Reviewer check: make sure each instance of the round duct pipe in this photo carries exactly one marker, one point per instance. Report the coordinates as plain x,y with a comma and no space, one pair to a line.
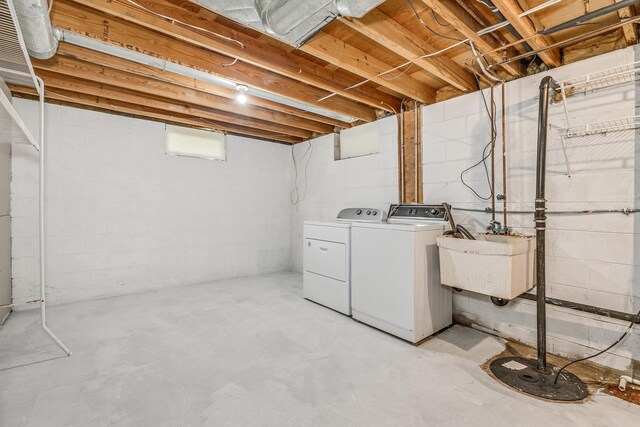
35,25
355,8
280,17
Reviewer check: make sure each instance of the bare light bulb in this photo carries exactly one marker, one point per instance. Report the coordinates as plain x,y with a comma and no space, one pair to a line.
241,95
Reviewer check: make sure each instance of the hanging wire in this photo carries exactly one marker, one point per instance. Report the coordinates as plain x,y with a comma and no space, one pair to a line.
411,64
297,195
424,24
435,17
486,151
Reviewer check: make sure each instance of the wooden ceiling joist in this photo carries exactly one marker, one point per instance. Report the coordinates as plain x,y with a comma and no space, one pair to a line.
629,31
246,49
510,9
267,55
335,51
381,28
451,11
352,70
92,23
72,98
87,87
186,101
269,110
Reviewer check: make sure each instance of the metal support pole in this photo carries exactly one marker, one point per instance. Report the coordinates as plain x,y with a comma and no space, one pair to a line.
536,377
541,221
504,160
43,313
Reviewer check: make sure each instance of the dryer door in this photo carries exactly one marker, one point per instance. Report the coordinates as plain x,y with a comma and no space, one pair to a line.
327,259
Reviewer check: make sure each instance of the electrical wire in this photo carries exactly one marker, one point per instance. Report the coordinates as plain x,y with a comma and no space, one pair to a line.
636,318
435,17
488,6
424,24
296,197
485,154
411,64
193,27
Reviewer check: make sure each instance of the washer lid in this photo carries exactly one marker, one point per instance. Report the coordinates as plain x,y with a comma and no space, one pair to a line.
415,227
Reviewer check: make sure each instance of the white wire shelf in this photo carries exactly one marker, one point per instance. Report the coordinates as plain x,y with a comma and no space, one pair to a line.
606,78
615,125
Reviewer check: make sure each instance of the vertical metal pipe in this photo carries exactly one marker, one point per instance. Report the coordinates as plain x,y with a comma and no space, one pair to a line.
493,160
541,220
43,312
401,153
504,158
415,151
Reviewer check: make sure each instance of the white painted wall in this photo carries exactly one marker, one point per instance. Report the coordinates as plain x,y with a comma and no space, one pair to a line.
367,181
124,217
592,259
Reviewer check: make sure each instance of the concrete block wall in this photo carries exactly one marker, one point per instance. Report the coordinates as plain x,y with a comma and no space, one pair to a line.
122,216
331,185
592,259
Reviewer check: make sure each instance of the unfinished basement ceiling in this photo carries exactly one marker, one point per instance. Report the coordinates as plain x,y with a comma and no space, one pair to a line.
351,71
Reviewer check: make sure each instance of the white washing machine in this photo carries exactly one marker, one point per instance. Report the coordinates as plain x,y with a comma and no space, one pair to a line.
395,277
327,257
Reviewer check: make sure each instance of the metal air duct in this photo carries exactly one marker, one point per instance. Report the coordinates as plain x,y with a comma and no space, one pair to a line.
356,8
297,20
33,16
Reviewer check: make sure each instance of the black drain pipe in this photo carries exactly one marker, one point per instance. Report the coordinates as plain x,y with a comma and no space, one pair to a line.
540,216
589,16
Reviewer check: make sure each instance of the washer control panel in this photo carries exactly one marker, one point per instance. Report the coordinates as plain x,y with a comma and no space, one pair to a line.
418,212
362,215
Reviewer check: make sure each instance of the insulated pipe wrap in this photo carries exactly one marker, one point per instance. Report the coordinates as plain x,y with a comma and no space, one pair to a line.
35,24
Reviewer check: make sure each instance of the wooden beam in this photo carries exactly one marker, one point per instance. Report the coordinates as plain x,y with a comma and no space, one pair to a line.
276,57
331,49
281,113
510,9
381,28
629,30
59,78
451,11
79,100
92,23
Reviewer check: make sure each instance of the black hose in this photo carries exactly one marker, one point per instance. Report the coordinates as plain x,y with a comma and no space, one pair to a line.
462,230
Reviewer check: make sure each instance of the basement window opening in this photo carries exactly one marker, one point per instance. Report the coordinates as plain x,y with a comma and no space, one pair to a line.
363,140
195,143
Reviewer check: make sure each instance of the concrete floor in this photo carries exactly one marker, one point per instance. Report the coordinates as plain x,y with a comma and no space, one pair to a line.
252,352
